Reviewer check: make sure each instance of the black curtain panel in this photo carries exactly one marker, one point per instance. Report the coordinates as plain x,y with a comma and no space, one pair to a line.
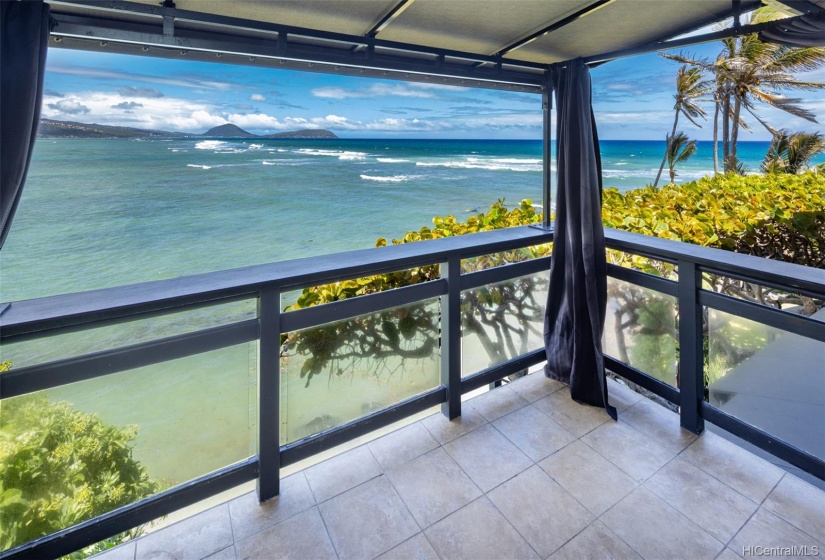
802,31
24,35
577,298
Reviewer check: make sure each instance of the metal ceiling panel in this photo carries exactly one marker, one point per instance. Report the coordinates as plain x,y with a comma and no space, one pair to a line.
623,24
477,26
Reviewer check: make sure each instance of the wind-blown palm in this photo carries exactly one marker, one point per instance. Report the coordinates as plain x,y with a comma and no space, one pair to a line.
680,149
791,153
690,90
750,71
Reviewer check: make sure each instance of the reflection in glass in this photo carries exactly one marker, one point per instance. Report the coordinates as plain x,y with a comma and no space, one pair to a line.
640,329
769,378
502,321
340,371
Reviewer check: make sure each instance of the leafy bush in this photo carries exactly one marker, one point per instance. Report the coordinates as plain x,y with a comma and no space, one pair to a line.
60,466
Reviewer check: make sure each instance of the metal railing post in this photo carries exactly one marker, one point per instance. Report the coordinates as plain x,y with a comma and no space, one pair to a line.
691,349
451,337
269,382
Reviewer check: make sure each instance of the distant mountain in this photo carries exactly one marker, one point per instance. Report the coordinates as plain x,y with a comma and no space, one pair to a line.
228,131
67,129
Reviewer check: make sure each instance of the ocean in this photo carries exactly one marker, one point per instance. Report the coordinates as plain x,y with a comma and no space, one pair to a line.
101,213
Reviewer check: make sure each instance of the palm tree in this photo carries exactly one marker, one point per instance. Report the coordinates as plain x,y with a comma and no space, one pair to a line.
690,88
748,71
679,149
792,152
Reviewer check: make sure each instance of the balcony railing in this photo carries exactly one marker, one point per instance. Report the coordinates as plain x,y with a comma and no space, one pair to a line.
231,323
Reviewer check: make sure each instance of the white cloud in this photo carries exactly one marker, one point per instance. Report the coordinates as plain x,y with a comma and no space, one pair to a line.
257,97
375,90
115,75
69,107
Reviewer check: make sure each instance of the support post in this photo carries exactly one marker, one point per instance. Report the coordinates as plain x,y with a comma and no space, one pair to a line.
691,349
451,337
269,382
547,152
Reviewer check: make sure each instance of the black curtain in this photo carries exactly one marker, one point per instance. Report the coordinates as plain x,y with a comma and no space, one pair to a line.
577,299
802,31
24,35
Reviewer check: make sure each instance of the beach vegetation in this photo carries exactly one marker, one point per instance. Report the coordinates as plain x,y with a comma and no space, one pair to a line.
60,466
679,149
791,152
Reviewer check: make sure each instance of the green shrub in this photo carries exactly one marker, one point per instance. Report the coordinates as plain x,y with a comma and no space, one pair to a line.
60,466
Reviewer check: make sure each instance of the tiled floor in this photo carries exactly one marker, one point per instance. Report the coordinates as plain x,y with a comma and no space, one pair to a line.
525,473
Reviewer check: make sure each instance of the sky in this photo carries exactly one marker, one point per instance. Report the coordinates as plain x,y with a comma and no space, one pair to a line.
632,99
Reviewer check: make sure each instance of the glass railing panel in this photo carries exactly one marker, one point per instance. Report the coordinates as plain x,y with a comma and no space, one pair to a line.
788,301
502,321
640,329
483,262
71,344
644,264
340,371
80,450
771,379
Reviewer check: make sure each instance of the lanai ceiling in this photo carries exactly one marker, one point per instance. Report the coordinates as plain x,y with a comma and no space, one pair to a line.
509,41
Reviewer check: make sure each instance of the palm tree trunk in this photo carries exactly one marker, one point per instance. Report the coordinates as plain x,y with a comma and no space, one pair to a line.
726,130
716,138
667,149
737,107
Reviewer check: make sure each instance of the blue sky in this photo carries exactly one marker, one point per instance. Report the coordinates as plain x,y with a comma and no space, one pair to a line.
633,99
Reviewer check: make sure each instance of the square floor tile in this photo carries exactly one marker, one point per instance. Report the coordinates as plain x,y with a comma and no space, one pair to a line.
766,530
487,457
656,530
416,548
596,542
367,520
248,516
402,445
227,553
576,418
659,424
195,537
478,532
342,472
433,486
121,552
715,507
540,510
445,430
594,481
497,402
299,537
800,504
743,471
630,450
533,432
535,386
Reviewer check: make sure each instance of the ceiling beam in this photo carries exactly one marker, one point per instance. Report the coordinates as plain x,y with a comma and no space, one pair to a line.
388,18
587,10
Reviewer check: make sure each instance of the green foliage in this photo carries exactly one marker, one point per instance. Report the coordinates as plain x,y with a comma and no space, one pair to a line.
774,216
679,149
60,466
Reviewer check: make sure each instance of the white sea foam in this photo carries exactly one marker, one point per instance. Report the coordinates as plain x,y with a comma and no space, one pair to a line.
391,160
199,166
210,144
390,179
255,146
343,155
491,164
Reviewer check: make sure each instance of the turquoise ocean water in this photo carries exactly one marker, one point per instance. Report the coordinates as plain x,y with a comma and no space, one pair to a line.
100,213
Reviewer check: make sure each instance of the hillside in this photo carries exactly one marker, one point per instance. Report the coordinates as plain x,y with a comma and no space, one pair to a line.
68,129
